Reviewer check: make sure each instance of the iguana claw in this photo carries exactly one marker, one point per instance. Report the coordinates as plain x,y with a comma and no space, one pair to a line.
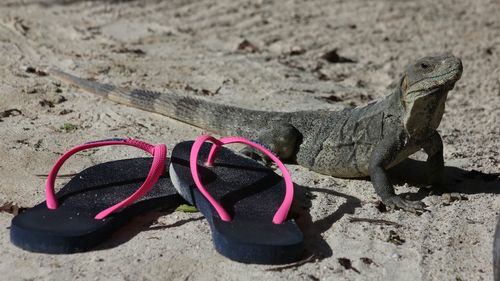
395,202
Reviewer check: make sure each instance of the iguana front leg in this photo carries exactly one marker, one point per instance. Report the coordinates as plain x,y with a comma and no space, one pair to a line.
381,156
435,162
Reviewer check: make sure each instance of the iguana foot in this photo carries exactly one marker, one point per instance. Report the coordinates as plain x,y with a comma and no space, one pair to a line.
439,189
255,155
450,197
396,202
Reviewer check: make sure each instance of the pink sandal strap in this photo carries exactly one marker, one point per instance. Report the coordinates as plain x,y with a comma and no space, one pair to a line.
158,152
280,215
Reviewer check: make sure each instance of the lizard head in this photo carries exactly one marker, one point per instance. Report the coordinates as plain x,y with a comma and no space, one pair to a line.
424,88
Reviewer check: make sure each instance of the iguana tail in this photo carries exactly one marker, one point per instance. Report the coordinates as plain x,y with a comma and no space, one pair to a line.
221,119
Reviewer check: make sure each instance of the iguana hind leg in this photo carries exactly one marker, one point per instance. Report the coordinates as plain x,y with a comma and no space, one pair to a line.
281,138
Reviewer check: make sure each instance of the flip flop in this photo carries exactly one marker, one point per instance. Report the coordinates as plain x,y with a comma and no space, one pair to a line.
245,203
85,211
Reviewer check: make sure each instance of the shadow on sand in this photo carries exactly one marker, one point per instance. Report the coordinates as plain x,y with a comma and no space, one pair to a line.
414,173
410,171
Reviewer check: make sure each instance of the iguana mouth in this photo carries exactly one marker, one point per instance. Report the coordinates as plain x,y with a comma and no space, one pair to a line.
427,85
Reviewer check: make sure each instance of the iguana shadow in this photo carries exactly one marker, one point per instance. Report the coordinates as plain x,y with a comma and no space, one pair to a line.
414,172
410,171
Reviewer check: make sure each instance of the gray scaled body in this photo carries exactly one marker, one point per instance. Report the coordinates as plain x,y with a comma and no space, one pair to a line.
358,142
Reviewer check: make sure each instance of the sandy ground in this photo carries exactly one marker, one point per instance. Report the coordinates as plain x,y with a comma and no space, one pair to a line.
192,47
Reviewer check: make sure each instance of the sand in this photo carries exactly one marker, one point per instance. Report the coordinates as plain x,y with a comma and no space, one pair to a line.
261,55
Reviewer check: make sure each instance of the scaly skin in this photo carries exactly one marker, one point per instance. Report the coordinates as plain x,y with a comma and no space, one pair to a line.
359,142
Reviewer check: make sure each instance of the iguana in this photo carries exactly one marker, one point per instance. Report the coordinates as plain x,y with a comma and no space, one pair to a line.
358,142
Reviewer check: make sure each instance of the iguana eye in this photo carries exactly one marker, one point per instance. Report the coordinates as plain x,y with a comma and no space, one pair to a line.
424,65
